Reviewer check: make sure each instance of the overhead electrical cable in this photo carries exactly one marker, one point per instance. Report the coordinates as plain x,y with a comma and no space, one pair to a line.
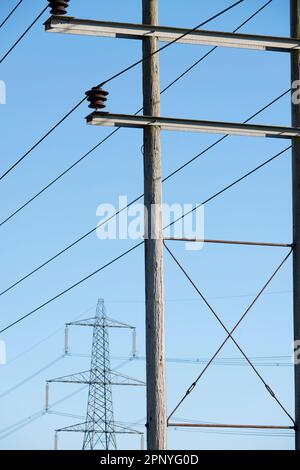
21,37
106,81
93,230
10,14
89,152
123,254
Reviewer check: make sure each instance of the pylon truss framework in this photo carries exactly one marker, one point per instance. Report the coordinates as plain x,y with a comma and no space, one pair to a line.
229,336
82,427
87,27
84,378
107,323
99,427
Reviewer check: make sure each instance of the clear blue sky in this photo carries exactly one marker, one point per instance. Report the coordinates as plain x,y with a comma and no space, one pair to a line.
45,76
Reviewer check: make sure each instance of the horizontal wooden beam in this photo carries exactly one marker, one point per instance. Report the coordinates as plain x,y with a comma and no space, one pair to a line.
191,125
70,25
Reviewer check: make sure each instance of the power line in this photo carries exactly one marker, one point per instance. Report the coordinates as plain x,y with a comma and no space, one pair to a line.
22,36
230,186
22,423
276,99
66,415
238,433
25,422
196,299
32,376
130,67
57,178
106,81
218,141
54,333
262,361
277,359
136,199
215,47
128,251
264,382
19,281
89,152
136,245
232,361
63,251
13,428
41,139
71,287
10,14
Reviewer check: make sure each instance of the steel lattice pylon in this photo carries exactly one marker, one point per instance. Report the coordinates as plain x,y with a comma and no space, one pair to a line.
99,428
100,416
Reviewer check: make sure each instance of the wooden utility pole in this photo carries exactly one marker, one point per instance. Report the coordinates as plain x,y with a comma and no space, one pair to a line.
295,75
155,335
151,122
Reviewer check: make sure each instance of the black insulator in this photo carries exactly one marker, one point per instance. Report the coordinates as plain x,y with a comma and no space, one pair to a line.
58,7
97,97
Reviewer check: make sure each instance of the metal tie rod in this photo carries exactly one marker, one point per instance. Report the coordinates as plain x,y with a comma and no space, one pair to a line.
229,242
191,125
233,426
86,27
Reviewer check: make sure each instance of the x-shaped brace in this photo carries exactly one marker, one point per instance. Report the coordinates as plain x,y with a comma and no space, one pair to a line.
229,334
